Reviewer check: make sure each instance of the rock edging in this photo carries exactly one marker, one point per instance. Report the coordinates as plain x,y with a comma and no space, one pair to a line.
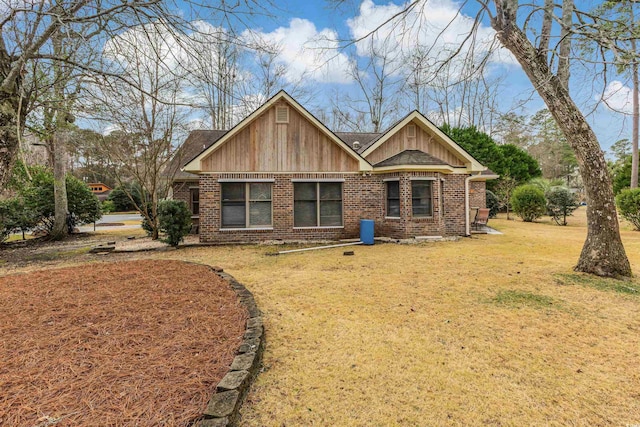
223,408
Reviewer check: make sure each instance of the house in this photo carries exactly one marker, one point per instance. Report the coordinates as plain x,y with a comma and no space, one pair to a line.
101,190
282,174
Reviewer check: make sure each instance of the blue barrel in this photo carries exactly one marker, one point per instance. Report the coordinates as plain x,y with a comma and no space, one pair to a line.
366,231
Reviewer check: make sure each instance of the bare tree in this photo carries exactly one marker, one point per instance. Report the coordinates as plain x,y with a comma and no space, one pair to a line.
603,253
147,118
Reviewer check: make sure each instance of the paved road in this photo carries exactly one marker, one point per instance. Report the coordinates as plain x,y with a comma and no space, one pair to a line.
119,218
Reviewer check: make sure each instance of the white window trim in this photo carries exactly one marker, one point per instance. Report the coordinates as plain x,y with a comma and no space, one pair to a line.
318,180
231,180
246,229
319,227
390,179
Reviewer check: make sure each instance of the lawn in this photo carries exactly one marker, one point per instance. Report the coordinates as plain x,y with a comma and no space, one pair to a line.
493,329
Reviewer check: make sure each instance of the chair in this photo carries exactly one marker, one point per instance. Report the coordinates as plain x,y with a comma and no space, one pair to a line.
482,218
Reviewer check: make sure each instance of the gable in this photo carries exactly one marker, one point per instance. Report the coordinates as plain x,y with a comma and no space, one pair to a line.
269,140
423,140
425,137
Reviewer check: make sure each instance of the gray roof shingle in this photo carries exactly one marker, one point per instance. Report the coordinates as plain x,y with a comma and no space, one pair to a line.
411,157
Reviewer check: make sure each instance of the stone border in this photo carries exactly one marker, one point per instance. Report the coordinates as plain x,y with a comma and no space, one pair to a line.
223,408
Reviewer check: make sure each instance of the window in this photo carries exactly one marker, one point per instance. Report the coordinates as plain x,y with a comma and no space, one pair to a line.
194,198
393,199
421,198
246,204
317,204
442,197
282,114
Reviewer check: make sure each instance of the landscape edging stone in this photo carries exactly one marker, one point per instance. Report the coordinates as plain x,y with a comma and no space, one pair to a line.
223,408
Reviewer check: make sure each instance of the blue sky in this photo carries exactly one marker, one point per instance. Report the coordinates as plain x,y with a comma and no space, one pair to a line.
302,27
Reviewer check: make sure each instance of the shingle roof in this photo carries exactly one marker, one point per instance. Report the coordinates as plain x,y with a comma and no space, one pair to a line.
196,143
364,138
411,157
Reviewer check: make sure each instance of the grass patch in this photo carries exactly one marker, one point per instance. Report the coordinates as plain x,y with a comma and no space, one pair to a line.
59,254
602,284
520,299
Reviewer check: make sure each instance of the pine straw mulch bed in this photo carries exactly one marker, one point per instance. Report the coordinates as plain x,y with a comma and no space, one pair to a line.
128,343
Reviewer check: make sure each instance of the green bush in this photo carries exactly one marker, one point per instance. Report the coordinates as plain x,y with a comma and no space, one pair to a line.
83,205
528,202
121,197
108,206
492,203
175,220
15,217
560,203
628,202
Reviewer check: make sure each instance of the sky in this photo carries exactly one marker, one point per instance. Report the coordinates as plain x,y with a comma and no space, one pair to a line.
314,39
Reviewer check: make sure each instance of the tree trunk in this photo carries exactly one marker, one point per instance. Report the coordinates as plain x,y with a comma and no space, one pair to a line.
603,253
60,230
636,119
9,141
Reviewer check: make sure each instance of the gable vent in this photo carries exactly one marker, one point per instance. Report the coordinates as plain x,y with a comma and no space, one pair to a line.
282,114
411,131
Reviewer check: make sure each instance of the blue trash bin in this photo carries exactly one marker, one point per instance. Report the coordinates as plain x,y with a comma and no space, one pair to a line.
366,231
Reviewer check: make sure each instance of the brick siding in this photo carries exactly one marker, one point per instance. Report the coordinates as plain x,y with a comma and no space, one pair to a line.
363,198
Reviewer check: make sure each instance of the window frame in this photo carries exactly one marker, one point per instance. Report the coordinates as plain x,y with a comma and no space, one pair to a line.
318,203
386,198
192,202
247,205
413,206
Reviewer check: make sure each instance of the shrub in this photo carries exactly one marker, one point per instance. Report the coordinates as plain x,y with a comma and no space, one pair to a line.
493,204
83,205
15,217
560,203
121,200
528,202
628,202
108,206
175,220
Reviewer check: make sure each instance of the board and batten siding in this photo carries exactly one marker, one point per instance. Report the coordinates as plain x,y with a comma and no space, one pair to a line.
266,146
423,141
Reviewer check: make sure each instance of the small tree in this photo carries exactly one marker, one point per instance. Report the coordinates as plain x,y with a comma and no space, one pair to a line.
492,203
628,202
175,220
125,197
560,203
504,190
528,202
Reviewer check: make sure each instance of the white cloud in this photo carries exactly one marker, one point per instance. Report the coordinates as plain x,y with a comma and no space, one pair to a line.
435,27
618,97
306,52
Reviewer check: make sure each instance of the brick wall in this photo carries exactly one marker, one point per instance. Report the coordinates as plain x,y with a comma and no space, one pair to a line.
363,198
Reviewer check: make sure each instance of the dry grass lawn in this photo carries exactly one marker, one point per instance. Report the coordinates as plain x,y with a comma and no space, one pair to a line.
494,329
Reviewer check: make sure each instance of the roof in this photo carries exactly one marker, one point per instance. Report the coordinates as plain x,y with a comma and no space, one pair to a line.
196,142
425,123
364,138
411,157
194,165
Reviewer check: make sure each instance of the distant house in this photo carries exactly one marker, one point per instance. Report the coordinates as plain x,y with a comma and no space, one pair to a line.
99,189
282,174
